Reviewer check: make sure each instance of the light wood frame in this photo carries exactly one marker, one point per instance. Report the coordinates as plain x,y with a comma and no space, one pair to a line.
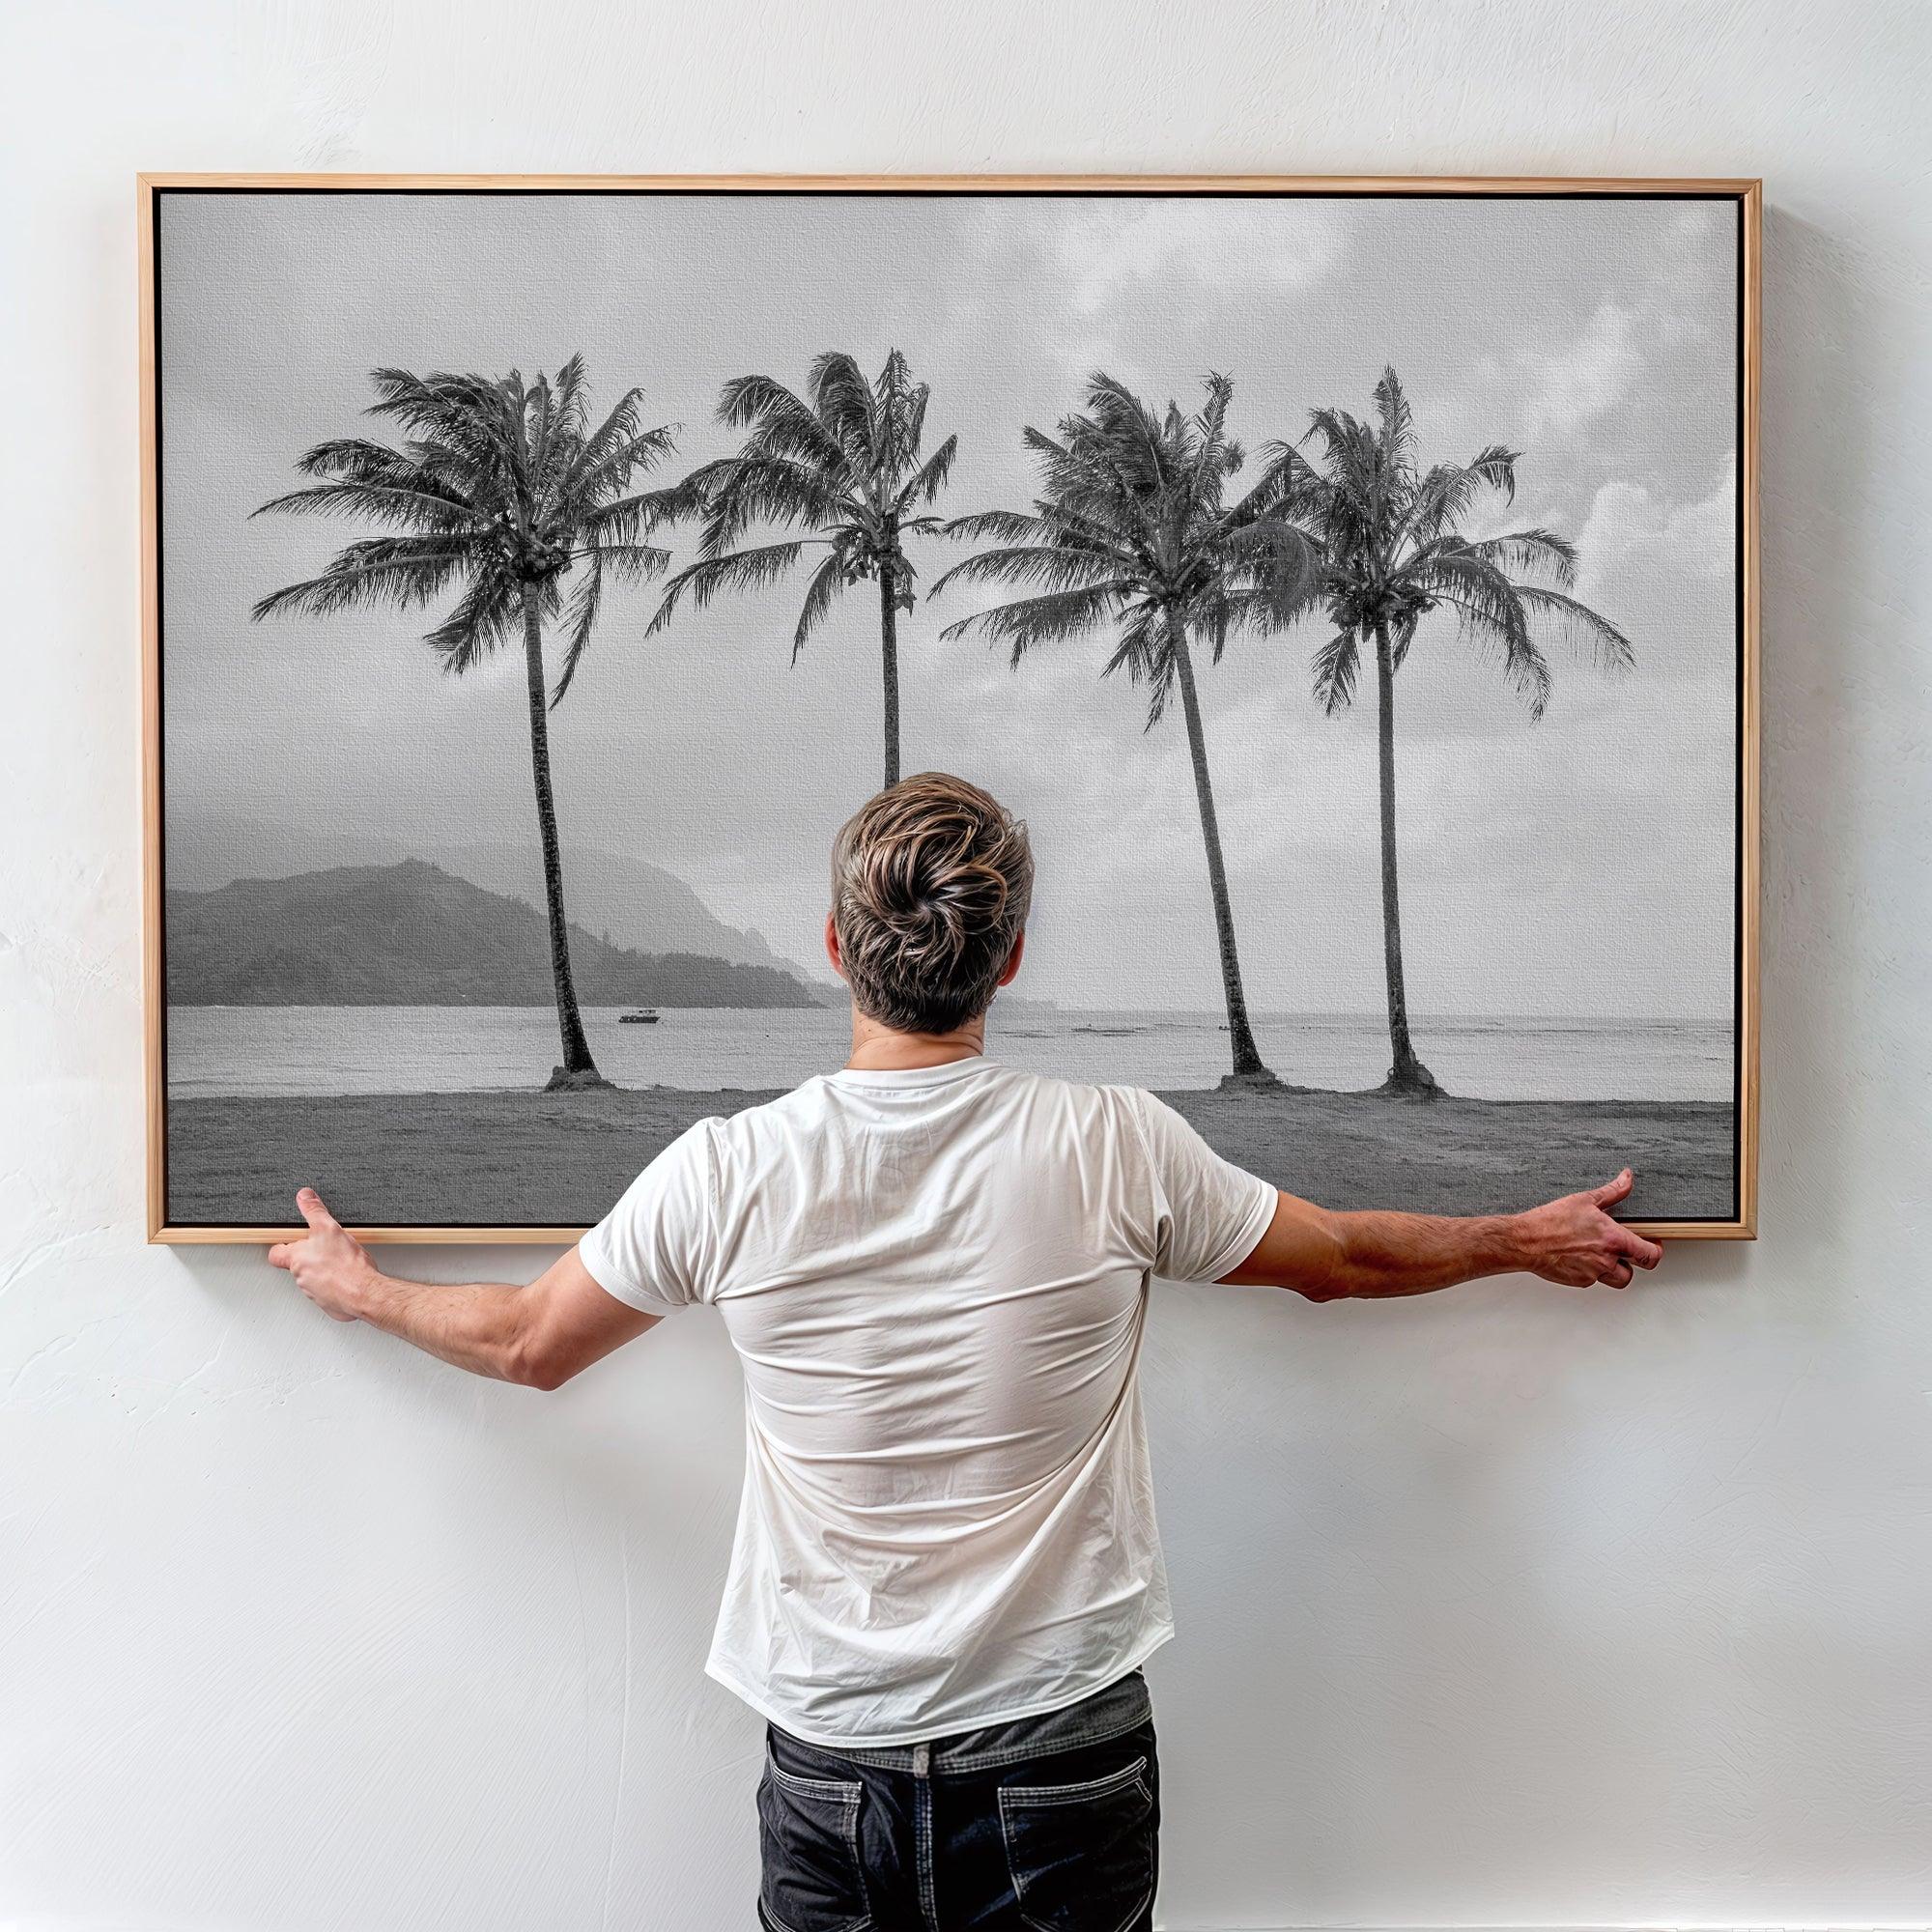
1749,194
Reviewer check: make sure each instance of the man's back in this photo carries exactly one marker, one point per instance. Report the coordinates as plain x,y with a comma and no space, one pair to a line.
935,1270
937,1281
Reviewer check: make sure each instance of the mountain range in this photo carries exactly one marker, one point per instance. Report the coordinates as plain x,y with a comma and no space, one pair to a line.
625,900
411,934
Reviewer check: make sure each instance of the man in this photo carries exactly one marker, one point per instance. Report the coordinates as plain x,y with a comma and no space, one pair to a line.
935,1269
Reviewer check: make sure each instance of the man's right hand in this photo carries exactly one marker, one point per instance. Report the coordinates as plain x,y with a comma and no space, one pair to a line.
1577,1242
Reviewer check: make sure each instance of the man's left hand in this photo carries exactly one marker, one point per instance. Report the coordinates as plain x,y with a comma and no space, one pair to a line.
329,1266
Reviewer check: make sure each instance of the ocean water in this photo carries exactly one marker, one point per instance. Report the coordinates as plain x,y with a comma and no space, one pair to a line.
293,1050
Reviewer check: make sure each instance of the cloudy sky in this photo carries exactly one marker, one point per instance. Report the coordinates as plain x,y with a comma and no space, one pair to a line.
1580,866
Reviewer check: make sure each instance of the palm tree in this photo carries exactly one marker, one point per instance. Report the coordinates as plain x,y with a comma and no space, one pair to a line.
500,489
847,466
1393,551
1132,534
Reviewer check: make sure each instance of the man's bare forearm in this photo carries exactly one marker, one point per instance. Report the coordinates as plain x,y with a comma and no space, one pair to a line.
482,1326
1380,1254
540,1333
1335,1256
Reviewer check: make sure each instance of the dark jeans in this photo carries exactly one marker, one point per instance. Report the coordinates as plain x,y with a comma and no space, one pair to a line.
1048,1824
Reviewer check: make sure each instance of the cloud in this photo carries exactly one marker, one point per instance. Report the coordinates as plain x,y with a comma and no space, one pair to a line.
1574,383
1594,374
1654,331
1126,247
1631,533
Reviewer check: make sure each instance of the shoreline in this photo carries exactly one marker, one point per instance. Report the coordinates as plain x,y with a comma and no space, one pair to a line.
501,1157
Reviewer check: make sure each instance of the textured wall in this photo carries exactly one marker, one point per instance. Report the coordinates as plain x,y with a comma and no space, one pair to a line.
1505,1607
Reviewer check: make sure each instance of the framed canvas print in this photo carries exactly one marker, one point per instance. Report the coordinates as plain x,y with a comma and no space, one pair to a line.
1351,582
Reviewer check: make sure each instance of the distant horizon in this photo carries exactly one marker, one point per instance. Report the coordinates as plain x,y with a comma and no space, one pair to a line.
1606,1023
1422,1018
337,1050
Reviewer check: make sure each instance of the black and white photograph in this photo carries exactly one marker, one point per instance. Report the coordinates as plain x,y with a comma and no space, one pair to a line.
1343,586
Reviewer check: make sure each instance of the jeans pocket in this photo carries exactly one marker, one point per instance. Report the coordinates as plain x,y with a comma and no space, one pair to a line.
1081,1857
809,1843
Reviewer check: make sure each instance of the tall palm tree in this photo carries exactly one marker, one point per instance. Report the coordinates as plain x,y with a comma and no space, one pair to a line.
1393,551
500,489
1133,533
846,464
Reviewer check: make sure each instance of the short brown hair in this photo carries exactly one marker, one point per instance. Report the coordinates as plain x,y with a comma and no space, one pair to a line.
930,885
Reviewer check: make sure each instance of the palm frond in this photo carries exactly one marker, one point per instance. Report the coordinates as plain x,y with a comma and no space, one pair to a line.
1446,495
382,502
746,490
1145,651
1336,667
1496,466
1529,551
1052,619
1280,568
929,479
735,570
621,426
780,423
1007,525
909,425
1493,617
1120,419
835,465
842,400
357,459
1054,566
467,417
1208,434
1144,646
1284,471
1577,622
626,519
596,470
823,586
478,625
1398,438
399,572
630,562
897,420
580,614
1048,524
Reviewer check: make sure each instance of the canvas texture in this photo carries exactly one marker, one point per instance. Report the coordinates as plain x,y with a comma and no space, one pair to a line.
1117,505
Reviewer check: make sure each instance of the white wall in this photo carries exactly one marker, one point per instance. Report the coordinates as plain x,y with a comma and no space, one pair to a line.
1505,1607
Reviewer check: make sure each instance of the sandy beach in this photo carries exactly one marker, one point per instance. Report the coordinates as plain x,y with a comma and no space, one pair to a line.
505,1158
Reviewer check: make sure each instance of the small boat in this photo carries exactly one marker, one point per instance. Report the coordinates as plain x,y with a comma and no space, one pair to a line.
640,1016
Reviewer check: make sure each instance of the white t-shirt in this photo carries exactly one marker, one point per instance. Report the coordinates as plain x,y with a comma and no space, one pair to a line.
937,1283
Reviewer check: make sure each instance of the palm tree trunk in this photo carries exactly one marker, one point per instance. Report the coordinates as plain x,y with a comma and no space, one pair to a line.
578,1069
1248,1062
1406,1073
889,652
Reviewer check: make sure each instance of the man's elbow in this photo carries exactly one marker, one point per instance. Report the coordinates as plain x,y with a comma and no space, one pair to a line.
538,1364
1320,1291
1325,1274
